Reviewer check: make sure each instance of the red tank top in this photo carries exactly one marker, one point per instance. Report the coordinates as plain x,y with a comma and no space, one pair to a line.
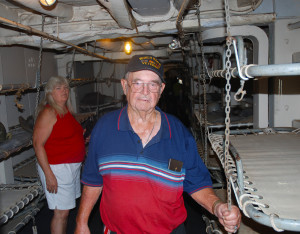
65,143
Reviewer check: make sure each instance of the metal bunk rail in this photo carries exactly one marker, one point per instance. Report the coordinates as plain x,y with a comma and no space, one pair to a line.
6,88
251,71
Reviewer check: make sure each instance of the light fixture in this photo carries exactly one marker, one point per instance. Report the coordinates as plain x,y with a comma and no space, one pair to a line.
128,47
47,2
175,44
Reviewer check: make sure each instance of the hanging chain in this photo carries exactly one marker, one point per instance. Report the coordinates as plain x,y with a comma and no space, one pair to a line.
204,85
199,95
38,72
227,99
70,70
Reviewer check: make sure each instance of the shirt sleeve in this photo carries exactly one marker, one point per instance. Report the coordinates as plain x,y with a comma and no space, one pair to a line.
197,175
91,175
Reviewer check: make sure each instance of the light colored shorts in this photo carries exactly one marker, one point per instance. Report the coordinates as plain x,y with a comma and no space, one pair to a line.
68,180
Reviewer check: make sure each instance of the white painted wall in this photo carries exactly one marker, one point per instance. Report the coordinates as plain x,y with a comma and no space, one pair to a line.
286,42
18,66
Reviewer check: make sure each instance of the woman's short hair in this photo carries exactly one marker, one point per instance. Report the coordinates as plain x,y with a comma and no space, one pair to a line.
52,83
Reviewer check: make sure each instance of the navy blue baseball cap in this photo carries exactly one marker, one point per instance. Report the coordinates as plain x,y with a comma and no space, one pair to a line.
146,62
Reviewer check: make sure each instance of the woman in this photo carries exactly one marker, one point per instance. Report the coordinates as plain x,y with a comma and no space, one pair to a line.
59,147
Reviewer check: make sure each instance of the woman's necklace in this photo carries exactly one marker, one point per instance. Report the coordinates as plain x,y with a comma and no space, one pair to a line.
152,129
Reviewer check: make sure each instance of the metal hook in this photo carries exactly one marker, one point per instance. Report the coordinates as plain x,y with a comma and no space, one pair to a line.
237,61
240,92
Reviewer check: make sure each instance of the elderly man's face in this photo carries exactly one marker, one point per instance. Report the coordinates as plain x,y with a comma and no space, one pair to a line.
143,90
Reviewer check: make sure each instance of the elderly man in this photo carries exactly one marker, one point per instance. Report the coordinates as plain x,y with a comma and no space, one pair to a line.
142,160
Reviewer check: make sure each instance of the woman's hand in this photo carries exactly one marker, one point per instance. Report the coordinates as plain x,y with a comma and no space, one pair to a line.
86,138
51,183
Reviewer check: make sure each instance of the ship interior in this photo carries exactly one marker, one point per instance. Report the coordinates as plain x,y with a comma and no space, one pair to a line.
232,72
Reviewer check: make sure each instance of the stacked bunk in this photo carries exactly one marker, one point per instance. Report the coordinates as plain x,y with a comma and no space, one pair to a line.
18,205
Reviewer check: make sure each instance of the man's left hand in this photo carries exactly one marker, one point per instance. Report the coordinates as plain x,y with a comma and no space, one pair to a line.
230,219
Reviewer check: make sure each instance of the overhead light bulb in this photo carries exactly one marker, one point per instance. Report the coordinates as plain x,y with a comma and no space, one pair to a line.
47,2
128,47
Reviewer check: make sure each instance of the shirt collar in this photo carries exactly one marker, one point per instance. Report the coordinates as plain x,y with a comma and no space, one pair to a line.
124,124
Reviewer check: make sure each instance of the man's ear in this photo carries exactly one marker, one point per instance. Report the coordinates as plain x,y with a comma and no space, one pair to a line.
163,85
124,85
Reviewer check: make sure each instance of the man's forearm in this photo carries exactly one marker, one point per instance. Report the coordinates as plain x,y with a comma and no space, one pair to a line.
89,197
206,198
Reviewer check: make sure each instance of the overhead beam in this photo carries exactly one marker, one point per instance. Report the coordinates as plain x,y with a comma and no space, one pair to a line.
121,56
43,34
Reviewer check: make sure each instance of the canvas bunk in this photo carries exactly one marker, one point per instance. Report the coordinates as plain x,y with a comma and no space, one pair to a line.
19,139
264,171
15,197
25,171
215,120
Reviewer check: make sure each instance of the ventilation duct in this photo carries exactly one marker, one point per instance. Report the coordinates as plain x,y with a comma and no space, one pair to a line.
119,10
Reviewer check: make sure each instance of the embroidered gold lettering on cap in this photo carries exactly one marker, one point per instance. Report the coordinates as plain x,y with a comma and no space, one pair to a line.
150,61
146,62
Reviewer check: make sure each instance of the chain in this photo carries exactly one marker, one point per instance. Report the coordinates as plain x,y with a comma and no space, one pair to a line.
204,85
70,71
38,73
227,99
199,95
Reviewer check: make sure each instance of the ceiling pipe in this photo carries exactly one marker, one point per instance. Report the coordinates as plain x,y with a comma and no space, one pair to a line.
180,19
61,10
48,36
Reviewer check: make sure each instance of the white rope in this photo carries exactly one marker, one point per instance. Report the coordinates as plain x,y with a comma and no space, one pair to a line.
245,69
272,216
217,231
296,130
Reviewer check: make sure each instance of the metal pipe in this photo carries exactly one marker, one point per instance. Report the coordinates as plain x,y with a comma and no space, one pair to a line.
43,34
180,18
257,130
238,125
239,168
61,10
285,224
291,69
240,43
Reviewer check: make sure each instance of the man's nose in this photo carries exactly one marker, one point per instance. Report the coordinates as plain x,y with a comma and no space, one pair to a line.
145,89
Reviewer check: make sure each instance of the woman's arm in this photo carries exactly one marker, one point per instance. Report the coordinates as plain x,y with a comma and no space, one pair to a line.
42,130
